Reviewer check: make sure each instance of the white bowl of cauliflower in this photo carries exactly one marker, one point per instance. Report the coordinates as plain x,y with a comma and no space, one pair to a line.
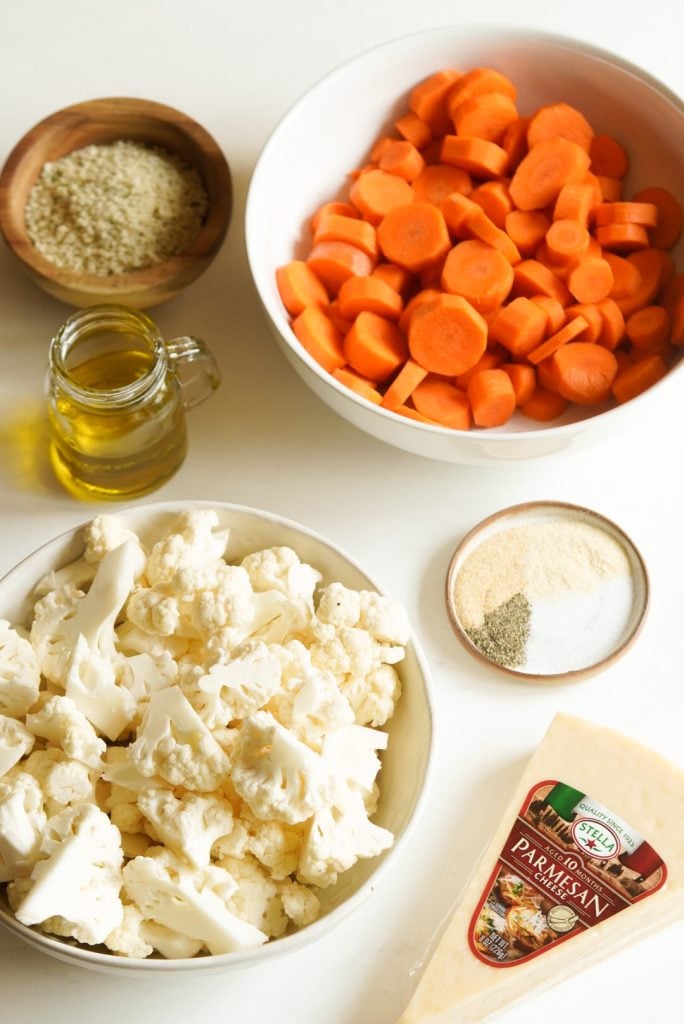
205,715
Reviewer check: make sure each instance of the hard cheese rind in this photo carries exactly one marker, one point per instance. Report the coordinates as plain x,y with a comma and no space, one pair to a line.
456,987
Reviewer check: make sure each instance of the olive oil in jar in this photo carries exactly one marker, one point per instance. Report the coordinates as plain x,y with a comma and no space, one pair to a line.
116,404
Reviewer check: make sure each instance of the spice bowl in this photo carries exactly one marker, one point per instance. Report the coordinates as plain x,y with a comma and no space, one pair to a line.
547,592
99,122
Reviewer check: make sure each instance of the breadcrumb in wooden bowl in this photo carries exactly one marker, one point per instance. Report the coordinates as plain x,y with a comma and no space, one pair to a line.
115,200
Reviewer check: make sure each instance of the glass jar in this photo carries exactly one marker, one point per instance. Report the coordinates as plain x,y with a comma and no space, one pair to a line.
117,395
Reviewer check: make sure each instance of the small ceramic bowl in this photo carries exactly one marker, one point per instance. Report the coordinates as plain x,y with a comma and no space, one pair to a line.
102,121
406,764
367,94
547,592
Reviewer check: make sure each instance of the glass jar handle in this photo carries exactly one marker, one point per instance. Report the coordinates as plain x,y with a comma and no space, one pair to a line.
196,369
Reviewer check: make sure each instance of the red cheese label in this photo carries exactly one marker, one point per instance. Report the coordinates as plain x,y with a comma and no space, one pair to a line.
568,864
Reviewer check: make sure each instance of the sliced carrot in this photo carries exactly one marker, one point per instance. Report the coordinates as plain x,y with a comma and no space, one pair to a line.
553,310
523,379
559,121
495,199
672,292
651,265
477,156
544,405
549,165
486,116
343,209
645,214
492,398
423,298
448,336
514,141
379,147
591,279
477,82
665,350
635,379
396,277
613,324
374,347
443,403
575,201
412,414
533,278
414,129
371,294
592,315
341,322
403,159
428,100
414,237
332,227
545,378
566,241
623,358
457,209
608,156
375,193
677,317
299,287
669,228
619,237
648,328
584,372
571,330
610,188
320,338
478,225
436,181
403,385
626,277
489,361
526,229
479,273
519,326
355,382
335,262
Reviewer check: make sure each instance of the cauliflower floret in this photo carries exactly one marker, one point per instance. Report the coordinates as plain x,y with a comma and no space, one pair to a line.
103,534
61,722
301,905
351,755
22,820
229,602
193,542
256,899
277,775
123,775
339,606
75,889
52,616
348,650
235,689
127,817
373,697
189,825
127,940
19,672
153,611
384,618
313,708
170,944
189,901
15,742
148,674
174,743
275,845
132,640
279,568
62,780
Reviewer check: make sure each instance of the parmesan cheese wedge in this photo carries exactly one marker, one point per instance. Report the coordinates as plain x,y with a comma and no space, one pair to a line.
592,848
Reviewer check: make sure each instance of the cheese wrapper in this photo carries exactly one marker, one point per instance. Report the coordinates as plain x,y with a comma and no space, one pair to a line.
588,858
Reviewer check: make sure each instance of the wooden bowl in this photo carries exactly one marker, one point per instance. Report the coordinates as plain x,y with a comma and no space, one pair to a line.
101,121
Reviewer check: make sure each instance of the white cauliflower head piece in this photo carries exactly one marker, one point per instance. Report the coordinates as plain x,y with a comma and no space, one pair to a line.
15,742
174,743
76,886
276,774
190,825
19,672
63,724
190,901
22,820
373,697
236,688
193,542
279,568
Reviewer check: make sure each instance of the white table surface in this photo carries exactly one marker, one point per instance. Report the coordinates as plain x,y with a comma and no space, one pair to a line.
267,441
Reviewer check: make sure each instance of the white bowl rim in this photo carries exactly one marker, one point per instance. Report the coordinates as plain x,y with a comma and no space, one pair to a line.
304,936
474,30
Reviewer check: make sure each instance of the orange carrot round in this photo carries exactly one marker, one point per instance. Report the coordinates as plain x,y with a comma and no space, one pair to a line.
332,227
403,159
442,403
519,326
526,229
523,379
428,100
559,121
436,181
575,201
552,309
637,377
343,209
648,328
492,398
299,287
591,313
645,214
567,240
374,347
320,338
591,280
414,236
613,324
548,166
669,228
477,82
479,273
544,405
619,237
486,116
403,385
375,193
447,336
414,129
608,157
569,332
371,294
335,262
584,372
495,200
477,156
355,382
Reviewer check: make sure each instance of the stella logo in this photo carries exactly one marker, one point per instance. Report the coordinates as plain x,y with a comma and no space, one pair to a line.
595,838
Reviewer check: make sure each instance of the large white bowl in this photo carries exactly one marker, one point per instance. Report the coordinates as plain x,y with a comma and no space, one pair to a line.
406,762
329,131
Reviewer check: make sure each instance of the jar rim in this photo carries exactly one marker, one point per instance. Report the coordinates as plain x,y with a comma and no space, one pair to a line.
86,322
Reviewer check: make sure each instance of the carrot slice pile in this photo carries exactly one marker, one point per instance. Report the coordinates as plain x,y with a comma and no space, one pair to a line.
486,259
